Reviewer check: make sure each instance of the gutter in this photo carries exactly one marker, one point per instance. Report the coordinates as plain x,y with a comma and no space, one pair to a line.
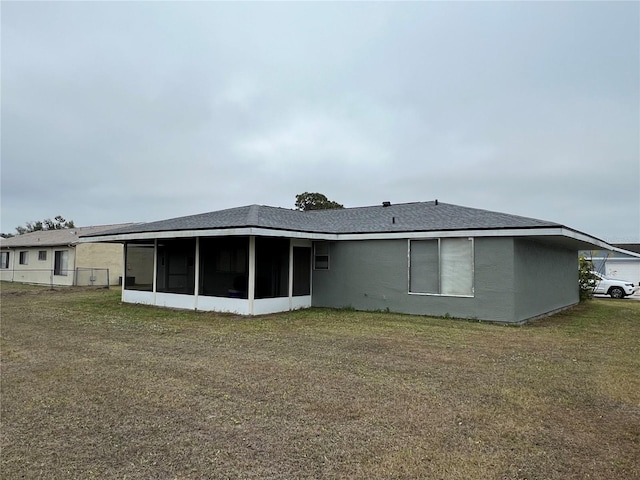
558,231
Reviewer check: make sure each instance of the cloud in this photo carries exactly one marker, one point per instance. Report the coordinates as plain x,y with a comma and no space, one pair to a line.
120,111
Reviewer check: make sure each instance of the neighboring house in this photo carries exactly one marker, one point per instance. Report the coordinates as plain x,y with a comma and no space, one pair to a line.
419,258
622,262
56,257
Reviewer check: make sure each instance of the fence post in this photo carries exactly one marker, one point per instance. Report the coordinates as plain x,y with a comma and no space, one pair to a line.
108,284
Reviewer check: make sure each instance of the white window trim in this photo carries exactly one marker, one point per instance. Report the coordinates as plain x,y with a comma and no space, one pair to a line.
5,266
64,258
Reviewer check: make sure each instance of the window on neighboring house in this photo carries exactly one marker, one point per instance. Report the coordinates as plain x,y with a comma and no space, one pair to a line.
4,260
24,258
321,256
441,266
61,262
42,255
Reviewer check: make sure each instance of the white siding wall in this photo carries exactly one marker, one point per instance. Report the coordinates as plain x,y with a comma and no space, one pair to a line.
36,270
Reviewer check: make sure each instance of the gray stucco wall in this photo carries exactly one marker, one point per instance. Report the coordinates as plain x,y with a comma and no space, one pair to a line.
366,275
546,278
373,275
513,280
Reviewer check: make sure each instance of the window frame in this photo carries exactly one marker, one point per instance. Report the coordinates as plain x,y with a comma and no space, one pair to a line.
59,263
317,255
42,255
440,267
23,257
4,265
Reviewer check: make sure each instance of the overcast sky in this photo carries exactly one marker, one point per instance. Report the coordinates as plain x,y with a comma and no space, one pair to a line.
127,112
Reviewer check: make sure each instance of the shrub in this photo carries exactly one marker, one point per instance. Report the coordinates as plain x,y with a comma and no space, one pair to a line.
586,278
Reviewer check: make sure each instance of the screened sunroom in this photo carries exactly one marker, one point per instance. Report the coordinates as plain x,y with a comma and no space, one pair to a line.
247,275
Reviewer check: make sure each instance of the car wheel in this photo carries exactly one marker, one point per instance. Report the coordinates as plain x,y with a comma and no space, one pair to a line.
616,292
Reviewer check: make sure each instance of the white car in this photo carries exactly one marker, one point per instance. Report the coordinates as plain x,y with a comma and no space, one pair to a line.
613,287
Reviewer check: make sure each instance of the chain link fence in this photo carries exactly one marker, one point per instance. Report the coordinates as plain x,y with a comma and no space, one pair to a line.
81,276
93,277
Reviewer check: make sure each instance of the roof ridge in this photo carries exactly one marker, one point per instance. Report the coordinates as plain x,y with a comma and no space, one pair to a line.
428,202
253,215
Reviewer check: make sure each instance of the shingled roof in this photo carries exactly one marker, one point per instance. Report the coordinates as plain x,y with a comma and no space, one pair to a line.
405,217
51,238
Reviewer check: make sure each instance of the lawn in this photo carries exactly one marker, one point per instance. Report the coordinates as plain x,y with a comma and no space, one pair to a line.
92,388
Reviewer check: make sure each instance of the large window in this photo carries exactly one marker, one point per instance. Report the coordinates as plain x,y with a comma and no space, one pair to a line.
224,267
176,266
272,267
441,266
24,258
4,260
60,262
139,266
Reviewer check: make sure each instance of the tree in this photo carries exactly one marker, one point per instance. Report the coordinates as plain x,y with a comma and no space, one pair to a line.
58,223
315,201
586,279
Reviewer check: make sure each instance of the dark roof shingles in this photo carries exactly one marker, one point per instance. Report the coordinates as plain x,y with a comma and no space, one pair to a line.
406,217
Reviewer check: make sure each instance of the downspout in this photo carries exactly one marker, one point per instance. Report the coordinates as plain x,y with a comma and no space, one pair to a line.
53,266
72,248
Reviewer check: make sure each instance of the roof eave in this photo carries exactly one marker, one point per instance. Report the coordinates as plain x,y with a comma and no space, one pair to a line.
41,245
573,238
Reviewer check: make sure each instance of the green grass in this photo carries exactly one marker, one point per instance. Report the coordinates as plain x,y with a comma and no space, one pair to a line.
92,388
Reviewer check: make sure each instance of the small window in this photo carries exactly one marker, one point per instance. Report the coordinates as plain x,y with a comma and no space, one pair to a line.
4,260
24,258
42,255
321,256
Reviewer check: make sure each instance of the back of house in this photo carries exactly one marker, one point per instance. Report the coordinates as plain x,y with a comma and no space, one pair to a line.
426,258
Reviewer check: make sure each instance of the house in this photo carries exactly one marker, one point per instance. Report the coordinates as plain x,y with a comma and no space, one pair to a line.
427,258
56,257
622,262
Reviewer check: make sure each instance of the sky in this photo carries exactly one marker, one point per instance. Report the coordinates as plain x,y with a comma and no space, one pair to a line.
115,112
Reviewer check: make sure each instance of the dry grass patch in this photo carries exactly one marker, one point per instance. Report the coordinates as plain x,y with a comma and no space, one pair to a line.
92,388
